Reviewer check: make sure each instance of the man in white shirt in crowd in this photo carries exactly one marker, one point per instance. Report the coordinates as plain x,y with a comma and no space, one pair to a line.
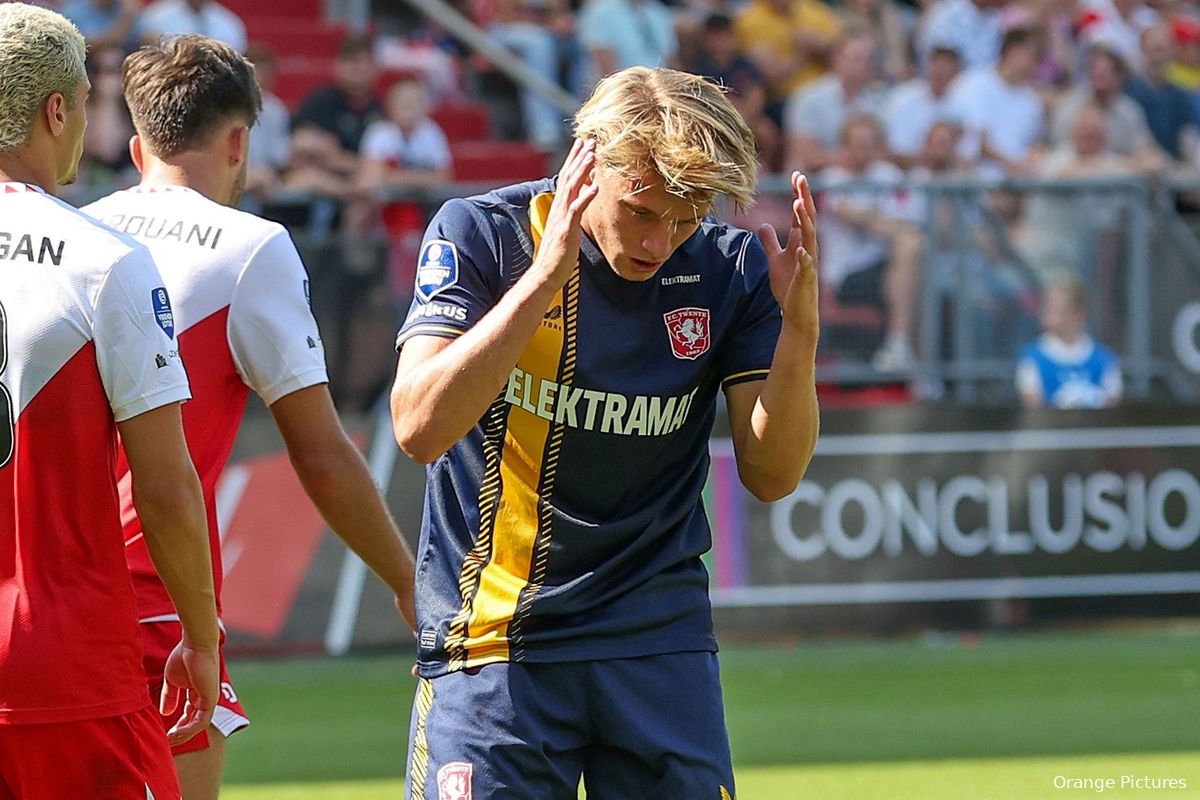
870,249
915,106
972,27
206,17
1000,110
816,114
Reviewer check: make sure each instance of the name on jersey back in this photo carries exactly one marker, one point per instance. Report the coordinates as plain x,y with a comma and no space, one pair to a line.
143,227
17,246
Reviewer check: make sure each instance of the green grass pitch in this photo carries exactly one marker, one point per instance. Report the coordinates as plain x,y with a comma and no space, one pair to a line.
934,719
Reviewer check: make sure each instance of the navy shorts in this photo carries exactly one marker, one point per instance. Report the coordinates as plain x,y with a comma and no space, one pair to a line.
633,728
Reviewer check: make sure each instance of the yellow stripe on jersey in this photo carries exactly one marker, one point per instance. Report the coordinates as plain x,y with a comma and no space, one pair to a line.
746,374
419,771
520,510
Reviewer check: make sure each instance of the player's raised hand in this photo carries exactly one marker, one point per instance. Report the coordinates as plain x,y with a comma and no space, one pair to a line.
192,676
793,268
558,254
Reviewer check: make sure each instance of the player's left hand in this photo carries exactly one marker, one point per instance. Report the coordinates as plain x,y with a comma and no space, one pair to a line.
793,269
192,676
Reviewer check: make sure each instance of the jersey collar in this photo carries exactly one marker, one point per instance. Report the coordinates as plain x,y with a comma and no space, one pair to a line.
14,187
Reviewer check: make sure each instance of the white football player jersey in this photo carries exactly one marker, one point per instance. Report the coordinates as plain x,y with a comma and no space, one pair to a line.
242,316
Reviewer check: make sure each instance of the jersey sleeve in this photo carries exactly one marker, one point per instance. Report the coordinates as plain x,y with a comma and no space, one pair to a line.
747,354
272,333
134,333
458,274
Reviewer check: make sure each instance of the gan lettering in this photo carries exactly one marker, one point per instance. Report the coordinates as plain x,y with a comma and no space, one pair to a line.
46,251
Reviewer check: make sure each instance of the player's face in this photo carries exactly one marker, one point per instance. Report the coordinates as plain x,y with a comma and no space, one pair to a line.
72,136
638,224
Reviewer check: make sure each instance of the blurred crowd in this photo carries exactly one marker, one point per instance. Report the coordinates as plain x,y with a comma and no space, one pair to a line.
861,91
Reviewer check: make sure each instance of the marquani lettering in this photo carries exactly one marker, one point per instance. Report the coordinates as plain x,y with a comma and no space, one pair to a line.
1102,511
591,410
142,227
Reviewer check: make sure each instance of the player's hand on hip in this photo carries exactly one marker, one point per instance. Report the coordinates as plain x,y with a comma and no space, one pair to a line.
793,267
407,607
558,254
193,677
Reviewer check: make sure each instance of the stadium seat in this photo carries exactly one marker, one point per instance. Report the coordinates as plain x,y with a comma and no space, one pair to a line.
497,161
311,38
463,122
296,77
292,9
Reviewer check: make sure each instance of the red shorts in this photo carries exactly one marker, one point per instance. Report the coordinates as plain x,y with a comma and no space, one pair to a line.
158,640
116,758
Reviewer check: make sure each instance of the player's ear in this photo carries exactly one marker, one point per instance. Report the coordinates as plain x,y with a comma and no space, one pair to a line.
135,153
237,144
55,109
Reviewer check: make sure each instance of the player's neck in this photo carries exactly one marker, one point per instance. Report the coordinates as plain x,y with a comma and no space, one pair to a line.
18,167
192,173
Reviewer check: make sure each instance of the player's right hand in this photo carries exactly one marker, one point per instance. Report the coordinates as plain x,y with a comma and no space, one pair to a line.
192,675
558,254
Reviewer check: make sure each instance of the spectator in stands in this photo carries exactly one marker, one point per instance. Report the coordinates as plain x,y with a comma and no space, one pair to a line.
1128,132
1118,24
617,34
1053,23
207,17
789,41
718,59
1184,70
1064,233
106,140
328,128
1065,367
971,27
407,149
914,107
817,113
514,26
883,20
107,23
1169,110
999,108
270,144
870,250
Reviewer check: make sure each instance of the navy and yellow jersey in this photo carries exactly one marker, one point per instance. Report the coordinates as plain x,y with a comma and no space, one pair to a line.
568,524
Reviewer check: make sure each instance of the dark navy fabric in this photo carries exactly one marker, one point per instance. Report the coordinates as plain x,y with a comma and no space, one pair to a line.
637,728
624,526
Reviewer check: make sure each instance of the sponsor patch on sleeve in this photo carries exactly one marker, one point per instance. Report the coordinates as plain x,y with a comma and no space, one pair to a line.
437,269
163,314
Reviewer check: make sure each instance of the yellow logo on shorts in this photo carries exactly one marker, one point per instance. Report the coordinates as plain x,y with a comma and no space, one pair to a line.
725,795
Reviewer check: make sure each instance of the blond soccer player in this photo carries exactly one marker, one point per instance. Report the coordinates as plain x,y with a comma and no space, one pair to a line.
558,372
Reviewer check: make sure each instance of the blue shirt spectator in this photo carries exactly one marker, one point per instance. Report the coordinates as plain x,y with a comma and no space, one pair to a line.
107,23
1169,110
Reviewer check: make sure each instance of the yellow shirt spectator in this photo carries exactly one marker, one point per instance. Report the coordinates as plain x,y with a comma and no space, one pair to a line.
788,40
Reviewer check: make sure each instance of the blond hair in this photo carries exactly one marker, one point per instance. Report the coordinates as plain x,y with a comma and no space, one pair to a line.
41,53
679,125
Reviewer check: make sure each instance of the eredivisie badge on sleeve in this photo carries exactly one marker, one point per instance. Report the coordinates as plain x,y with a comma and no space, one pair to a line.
163,314
688,330
437,268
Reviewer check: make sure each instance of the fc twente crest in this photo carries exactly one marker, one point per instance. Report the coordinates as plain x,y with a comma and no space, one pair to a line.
688,328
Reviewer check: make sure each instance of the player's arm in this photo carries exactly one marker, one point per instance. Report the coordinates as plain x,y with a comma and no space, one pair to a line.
144,380
775,421
336,477
170,505
443,387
